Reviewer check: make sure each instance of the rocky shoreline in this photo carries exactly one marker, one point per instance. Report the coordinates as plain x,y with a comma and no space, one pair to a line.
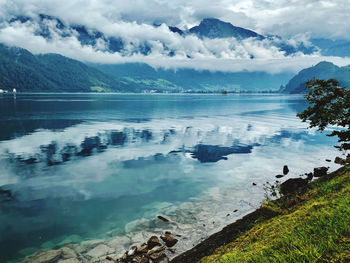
165,247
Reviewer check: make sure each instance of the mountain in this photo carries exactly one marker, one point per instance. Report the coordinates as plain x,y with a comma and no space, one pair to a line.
190,79
215,28
49,73
50,28
323,70
26,72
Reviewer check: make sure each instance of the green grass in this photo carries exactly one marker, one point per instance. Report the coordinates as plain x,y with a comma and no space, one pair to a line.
316,228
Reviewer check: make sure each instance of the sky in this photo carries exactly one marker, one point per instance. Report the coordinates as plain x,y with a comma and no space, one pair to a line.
296,21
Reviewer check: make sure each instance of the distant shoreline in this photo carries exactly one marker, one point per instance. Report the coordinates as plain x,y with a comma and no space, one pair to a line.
149,93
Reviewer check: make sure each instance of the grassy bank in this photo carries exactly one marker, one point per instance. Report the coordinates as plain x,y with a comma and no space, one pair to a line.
313,226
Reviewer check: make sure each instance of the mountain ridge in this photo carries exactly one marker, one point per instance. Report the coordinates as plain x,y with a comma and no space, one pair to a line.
26,72
209,28
323,70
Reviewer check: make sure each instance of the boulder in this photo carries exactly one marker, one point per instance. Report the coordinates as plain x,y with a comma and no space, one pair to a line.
340,161
157,257
156,249
169,240
320,171
142,249
153,241
285,170
310,176
293,185
163,218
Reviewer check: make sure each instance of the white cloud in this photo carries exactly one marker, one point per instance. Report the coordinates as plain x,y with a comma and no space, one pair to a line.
132,22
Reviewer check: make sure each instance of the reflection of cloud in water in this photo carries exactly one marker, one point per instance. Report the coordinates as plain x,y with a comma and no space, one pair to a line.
119,169
108,144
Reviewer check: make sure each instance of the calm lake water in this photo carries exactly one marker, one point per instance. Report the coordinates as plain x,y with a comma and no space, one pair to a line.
76,167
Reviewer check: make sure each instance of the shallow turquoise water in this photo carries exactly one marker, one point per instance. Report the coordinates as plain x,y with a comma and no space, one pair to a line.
82,166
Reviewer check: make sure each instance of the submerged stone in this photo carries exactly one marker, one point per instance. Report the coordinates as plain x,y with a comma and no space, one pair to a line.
99,251
163,218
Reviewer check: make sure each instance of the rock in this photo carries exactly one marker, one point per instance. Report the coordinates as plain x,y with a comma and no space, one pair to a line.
68,253
142,249
279,176
285,170
293,185
48,256
99,251
132,251
140,259
70,260
320,171
327,160
157,257
340,161
228,215
156,249
167,232
172,250
110,258
254,184
236,210
163,218
169,240
310,176
153,241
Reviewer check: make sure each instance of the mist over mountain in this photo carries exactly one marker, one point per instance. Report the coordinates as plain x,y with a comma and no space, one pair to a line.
126,56
50,28
212,45
26,72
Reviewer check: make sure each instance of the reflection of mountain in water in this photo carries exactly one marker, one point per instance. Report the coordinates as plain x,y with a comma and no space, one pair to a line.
53,154
15,128
57,153
214,153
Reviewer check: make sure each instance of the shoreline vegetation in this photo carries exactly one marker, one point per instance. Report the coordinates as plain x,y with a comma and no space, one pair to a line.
309,222
310,225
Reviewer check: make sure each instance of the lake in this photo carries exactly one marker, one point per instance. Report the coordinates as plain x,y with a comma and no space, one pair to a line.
75,168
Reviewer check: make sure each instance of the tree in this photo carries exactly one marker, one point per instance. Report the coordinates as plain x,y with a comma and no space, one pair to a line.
329,105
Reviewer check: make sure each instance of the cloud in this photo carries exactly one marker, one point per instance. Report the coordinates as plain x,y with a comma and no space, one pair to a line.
132,22
320,18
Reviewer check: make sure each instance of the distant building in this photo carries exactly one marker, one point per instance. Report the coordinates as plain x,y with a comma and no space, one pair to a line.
14,90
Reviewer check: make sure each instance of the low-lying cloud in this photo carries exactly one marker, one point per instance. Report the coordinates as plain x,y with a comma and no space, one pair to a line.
132,23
